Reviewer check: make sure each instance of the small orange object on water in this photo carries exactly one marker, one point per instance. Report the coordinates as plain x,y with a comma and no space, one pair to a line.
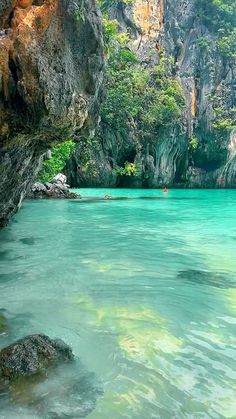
164,190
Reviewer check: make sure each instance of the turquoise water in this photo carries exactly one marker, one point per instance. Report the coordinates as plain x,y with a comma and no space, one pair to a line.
144,292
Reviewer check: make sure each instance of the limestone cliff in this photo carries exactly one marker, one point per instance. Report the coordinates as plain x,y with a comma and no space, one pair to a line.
201,150
51,76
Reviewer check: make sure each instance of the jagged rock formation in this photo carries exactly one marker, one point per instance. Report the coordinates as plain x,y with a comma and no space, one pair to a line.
57,188
51,76
31,355
44,378
207,77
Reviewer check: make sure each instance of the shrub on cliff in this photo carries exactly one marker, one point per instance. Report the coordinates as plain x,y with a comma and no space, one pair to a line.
146,98
60,154
220,17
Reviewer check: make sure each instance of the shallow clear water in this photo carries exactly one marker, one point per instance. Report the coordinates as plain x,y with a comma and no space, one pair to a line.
144,292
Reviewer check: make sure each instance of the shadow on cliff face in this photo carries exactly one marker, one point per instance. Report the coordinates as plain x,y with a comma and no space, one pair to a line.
51,85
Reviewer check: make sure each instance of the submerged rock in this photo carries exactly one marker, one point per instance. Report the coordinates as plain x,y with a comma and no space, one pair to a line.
3,324
67,390
27,240
70,392
58,188
32,355
207,278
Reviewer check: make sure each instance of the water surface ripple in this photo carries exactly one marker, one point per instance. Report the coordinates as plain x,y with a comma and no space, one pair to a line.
144,291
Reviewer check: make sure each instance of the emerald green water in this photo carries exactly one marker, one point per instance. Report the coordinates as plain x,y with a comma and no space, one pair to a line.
144,292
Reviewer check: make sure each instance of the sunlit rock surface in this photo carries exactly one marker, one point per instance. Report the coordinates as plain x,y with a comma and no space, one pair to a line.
51,74
57,188
207,78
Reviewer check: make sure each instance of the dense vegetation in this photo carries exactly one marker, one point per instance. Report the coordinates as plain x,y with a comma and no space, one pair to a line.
56,163
144,99
220,17
148,99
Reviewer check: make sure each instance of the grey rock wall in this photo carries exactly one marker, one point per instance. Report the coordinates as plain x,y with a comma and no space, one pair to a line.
208,82
51,82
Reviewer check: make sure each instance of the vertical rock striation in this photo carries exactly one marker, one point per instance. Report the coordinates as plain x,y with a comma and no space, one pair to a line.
200,152
51,76
207,76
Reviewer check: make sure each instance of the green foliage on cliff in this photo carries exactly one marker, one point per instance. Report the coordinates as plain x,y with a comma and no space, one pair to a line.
109,31
51,167
140,99
218,13
225,119
129,169
225,124
220,17
227,44
193,142
123,84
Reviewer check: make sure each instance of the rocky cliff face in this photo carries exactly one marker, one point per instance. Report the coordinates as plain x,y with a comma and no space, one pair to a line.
201,150
51,76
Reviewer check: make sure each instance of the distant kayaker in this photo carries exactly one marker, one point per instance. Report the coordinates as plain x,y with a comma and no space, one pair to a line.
165,190
107,196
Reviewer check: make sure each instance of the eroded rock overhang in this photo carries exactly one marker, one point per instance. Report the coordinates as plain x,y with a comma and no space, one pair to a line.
51,78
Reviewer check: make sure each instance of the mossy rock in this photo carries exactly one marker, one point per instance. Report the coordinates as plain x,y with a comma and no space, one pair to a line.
31,355
3,323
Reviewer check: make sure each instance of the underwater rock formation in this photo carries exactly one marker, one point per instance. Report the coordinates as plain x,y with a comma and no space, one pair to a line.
51,77
43,377
3,323
201,150
32,355
213,279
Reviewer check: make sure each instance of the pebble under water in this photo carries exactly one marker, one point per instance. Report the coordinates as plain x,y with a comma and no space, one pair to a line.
142,289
